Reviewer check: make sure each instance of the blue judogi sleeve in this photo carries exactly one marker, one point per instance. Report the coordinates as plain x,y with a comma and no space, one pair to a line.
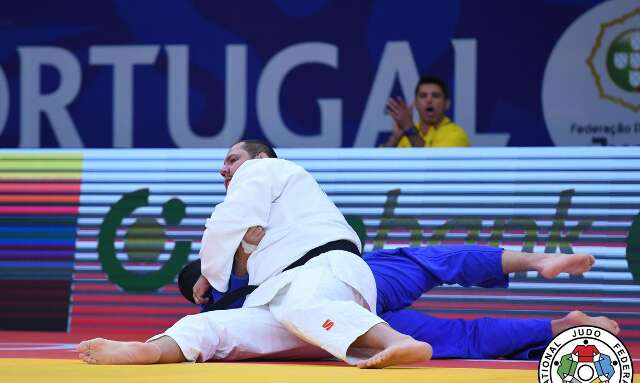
235,282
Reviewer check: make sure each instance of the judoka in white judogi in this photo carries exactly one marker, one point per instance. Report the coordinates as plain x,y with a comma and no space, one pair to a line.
327,302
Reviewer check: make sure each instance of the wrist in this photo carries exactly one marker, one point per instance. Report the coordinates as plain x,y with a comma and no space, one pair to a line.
240,265
247,247
411,131
239,271
241,256
398,133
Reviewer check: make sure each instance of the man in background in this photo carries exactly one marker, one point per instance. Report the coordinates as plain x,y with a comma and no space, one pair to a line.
433,128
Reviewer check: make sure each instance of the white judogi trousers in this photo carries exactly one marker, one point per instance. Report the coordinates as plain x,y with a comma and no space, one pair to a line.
315,315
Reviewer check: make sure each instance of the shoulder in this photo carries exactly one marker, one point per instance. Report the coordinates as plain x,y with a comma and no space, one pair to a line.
452,135
271,167
262,164
454,130
451,127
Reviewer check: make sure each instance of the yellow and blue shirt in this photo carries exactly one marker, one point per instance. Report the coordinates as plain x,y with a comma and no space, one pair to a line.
445,134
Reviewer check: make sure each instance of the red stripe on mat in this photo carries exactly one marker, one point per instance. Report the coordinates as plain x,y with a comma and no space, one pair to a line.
117,299
55,345
515,293
107,321
583,306
131,310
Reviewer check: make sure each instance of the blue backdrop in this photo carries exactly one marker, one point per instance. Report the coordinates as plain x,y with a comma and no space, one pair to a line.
300,74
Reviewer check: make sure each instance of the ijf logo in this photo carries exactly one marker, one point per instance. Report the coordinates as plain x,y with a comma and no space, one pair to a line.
585,354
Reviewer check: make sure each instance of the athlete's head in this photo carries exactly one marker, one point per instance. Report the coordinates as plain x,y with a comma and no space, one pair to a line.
240,152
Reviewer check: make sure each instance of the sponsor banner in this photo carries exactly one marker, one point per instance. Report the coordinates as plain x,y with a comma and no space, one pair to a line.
138,216
121,74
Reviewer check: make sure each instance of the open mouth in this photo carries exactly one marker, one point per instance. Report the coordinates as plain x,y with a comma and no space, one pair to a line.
430,112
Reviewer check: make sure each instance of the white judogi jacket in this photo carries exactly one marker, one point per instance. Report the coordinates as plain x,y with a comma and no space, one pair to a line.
298,216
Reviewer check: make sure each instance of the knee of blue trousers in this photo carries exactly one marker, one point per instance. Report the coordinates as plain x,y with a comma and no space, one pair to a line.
197,337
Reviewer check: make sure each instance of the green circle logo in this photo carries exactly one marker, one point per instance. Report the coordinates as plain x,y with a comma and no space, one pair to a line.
623,60
143,242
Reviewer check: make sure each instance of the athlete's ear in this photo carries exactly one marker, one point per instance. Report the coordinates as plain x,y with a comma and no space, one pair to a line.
262,155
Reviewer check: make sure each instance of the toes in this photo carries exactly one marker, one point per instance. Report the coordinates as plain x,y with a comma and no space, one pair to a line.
616,327
83,347
369,363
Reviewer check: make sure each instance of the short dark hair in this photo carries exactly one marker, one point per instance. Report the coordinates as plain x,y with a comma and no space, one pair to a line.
426,79
255,147
187,278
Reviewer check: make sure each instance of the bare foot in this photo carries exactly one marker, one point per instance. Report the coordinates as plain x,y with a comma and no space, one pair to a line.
553,264
104,351
578,318
402,352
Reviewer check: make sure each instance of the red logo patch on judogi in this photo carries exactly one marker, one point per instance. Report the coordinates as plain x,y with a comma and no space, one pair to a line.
328,324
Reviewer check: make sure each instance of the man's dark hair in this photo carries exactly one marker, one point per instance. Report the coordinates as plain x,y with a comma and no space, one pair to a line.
255,147
436,81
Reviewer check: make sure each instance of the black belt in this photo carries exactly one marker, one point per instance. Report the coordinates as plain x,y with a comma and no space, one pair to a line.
234,295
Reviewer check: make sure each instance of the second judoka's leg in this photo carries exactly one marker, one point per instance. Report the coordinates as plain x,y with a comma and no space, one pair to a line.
484,338
578,318
403,275
486,266
547,264
489,338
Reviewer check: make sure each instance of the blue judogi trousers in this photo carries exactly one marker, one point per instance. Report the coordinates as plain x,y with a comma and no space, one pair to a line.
403,275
